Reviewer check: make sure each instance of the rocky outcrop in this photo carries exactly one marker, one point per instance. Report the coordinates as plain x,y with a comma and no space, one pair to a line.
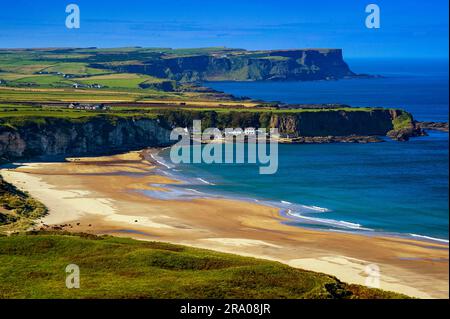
436,126
404,126
300,65
404,134
95,135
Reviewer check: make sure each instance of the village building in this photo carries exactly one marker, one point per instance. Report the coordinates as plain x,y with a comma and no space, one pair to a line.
234,132
91,107
250,131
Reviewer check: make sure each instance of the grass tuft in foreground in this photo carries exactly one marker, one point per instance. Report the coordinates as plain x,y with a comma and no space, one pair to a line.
33,266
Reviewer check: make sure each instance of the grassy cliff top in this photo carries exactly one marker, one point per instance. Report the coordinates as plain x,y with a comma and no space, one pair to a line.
17,115
33,266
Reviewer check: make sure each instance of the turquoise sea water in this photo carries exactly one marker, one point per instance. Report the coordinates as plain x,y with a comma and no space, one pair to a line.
393,187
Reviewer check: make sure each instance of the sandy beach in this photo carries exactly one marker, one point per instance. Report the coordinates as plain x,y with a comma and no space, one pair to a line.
103,195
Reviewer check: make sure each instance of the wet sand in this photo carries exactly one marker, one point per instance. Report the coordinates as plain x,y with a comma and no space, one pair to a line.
103,195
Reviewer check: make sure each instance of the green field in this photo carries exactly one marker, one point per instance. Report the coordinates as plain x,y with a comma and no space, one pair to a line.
73,68
54,69
33,266
43,80
69,95
119,80
114,80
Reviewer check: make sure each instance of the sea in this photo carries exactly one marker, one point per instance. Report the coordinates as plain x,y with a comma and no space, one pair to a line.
393,188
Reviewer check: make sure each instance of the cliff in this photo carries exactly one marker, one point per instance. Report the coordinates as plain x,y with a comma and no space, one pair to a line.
29,137
241,65
59,136
334,123
306,123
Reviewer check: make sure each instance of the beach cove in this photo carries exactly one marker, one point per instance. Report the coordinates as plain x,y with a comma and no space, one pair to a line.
112,195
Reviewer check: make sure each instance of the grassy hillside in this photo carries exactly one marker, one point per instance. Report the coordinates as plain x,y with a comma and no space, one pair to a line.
120,80
33,266
75,68
17,209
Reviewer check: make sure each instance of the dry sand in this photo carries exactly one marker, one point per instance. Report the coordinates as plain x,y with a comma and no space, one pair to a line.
103,195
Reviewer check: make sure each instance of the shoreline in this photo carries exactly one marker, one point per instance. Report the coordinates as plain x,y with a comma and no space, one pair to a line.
102,195
285,208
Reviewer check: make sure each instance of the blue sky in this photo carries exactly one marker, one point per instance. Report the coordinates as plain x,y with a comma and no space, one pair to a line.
415,29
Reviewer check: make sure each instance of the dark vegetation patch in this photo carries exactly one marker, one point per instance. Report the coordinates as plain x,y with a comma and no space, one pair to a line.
17,206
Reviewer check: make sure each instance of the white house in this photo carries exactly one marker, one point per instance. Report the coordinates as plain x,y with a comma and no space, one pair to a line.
250,131
234,132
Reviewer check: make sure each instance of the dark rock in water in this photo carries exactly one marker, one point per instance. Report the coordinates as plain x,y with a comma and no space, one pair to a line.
333,139
437,126
404,127
403,135
400,135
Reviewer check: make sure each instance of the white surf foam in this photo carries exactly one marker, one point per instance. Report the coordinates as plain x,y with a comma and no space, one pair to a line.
194,190
337,223
316,208
204,181
430,238
160,162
